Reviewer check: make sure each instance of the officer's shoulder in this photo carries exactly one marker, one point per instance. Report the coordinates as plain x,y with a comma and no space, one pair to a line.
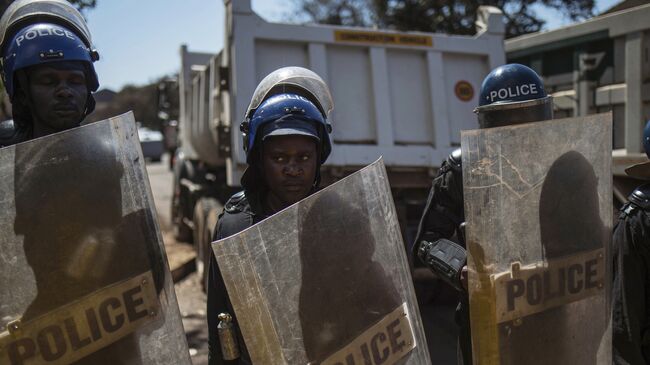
238,203
236,216
641,197
455,158
453,163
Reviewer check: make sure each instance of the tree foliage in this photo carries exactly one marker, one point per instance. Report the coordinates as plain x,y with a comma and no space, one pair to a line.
337,12
445,16
142,100
146,101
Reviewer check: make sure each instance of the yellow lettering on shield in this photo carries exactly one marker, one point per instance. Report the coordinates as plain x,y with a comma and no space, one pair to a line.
384,343
531,289
82,327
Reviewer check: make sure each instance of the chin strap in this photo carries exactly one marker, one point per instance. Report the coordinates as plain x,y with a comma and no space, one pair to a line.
90,105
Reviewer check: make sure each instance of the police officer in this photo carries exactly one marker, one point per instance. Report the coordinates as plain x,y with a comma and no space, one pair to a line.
286,139
47,69
631,289
75,241
510,94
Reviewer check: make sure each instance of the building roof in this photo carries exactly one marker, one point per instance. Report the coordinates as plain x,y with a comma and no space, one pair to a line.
609,25
625,4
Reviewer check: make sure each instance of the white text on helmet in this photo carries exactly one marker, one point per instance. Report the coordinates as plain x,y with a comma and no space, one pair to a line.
513,92
43,32
291,97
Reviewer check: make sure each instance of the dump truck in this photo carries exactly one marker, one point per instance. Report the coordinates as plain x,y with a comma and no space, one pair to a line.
402,96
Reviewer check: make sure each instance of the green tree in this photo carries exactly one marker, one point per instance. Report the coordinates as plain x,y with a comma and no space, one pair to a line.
142,100
445,16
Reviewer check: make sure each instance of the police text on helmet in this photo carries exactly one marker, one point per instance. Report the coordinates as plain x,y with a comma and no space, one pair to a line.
512,92
44,32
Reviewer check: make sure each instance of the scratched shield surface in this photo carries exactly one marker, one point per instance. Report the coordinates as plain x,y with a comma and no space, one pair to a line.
326,281
84,272
538,206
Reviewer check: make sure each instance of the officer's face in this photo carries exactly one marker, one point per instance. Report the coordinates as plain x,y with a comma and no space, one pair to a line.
289,165
57,97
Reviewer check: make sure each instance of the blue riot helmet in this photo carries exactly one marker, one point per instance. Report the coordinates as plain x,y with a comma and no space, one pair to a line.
287,114
44,43
35,32
513,94
290,100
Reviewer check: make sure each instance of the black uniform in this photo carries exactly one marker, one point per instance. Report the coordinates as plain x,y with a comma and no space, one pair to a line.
442,218
241,211
631,289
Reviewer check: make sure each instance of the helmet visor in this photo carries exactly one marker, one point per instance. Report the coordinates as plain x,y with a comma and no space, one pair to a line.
21,10
288,79
290,126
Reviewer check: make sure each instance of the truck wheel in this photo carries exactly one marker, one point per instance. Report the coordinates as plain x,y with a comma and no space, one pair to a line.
210,229
205,221
180,202
182,232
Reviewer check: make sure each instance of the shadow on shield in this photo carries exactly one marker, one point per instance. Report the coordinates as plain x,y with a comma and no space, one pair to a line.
89,283
538,202
326,281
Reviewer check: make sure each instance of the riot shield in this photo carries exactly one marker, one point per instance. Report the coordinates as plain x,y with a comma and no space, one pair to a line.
326,281
538,206
84,273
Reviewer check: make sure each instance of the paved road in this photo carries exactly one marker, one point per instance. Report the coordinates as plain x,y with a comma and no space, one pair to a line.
191,299
160,178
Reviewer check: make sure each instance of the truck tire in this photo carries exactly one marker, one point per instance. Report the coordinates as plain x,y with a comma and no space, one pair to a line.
206,212
180,201
182,233
210,230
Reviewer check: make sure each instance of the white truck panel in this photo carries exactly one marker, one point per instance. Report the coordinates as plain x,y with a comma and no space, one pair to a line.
350,89
463,68
410,97
188,101
202,138
268,54
394,93
214,105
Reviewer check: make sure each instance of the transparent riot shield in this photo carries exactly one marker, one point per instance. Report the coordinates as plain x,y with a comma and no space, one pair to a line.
326,281
84,273
538,206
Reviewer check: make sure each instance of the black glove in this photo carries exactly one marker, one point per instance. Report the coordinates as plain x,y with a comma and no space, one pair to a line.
445,258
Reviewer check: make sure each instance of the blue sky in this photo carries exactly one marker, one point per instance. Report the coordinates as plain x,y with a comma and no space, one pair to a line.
139,40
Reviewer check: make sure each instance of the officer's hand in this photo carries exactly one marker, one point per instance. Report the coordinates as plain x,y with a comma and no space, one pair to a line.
463,277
